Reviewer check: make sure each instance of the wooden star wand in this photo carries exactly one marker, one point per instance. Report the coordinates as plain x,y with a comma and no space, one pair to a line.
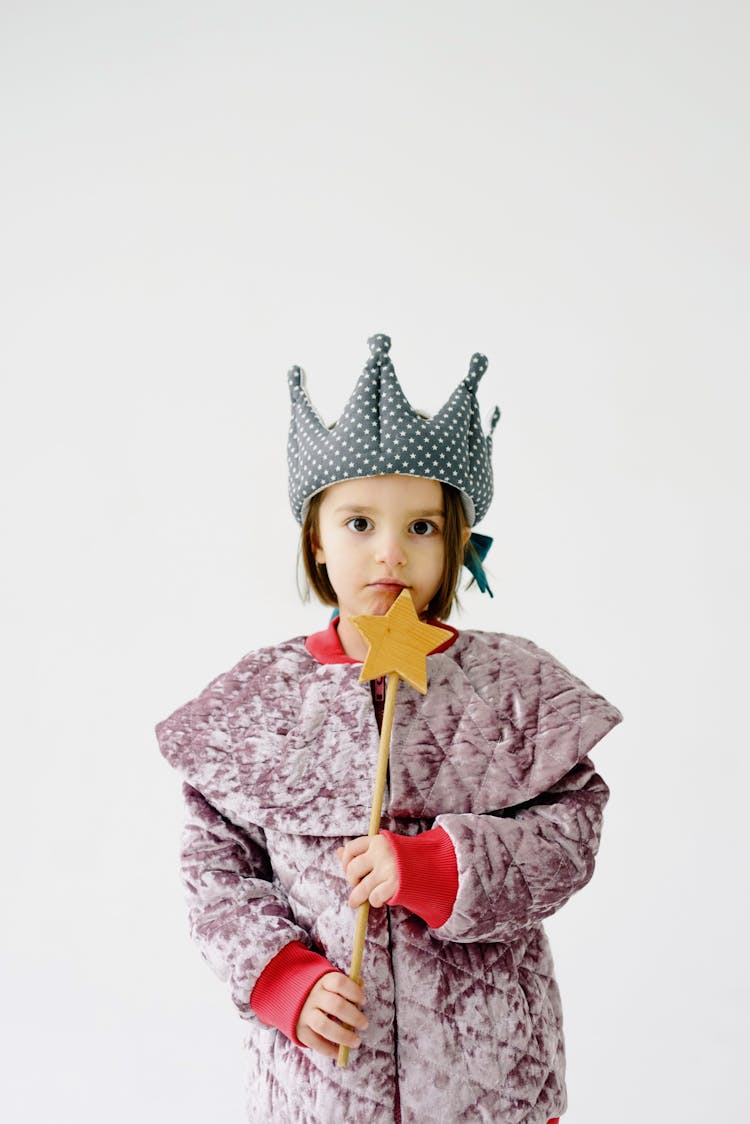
398,646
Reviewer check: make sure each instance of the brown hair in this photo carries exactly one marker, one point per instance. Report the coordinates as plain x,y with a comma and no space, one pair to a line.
454,526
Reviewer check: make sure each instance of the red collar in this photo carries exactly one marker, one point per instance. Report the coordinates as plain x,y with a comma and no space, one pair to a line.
325,646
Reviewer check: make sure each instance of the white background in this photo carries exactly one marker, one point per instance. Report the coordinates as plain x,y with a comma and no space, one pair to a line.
195,197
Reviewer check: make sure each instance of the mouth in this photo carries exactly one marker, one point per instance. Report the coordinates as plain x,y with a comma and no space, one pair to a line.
387,583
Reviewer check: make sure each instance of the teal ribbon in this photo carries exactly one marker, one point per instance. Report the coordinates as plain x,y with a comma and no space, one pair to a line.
475,552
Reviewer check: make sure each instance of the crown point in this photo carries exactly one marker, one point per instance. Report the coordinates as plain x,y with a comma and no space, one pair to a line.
295,379
477,367
379,345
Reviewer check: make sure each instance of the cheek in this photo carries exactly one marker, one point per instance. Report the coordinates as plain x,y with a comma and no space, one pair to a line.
339,551
434,561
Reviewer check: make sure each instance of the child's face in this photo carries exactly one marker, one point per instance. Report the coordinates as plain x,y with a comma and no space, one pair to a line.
377,536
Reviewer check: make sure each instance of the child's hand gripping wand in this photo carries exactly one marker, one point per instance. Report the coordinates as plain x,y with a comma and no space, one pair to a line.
398,646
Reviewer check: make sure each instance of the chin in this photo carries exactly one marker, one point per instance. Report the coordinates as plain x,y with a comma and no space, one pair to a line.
382,600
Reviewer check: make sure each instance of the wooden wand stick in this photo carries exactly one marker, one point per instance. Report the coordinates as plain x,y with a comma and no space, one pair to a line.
399,644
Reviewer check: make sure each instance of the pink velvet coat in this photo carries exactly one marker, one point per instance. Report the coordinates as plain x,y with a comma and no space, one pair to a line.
278,756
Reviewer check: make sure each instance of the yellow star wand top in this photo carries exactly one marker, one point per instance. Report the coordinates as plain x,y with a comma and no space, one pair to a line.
399,644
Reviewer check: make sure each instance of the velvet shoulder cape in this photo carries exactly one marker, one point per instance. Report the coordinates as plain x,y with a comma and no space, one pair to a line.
286,743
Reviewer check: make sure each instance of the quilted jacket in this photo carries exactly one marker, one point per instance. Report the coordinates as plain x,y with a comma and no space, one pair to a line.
278,759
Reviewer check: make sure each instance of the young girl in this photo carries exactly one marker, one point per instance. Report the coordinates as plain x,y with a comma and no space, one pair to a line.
490,823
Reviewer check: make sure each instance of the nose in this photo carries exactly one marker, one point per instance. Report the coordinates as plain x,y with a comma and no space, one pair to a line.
389,549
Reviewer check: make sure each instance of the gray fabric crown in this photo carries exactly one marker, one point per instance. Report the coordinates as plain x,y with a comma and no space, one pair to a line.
379,432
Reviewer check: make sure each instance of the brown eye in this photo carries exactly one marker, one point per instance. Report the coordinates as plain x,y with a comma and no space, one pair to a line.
359,524
423,527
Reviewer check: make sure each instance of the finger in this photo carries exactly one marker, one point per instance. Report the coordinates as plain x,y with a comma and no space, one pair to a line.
341,985
383,892
336,1007
353,848
376,889
358,867
344,1003
361,892
332,1031
309,1038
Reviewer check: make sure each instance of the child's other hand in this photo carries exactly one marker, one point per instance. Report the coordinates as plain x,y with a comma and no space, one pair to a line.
370,866
334,997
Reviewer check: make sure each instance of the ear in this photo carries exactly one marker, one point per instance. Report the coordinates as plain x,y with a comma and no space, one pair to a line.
318,553
466,535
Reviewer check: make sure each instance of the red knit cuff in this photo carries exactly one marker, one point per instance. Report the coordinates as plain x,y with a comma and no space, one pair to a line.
284,984
427,874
